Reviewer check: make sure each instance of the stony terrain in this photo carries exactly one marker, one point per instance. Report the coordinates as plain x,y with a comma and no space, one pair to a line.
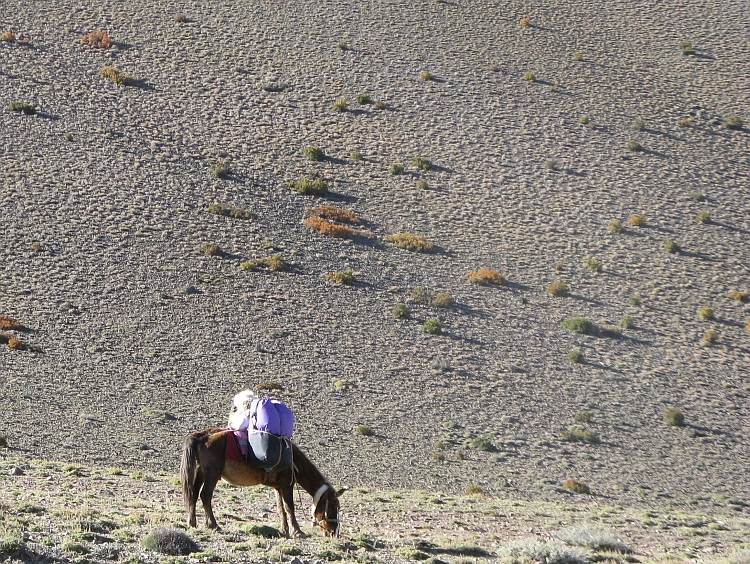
142,338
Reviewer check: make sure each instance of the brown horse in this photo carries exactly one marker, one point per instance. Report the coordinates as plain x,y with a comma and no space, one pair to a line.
203,464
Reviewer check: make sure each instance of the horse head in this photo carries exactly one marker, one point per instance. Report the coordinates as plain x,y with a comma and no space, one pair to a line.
326,510
239,413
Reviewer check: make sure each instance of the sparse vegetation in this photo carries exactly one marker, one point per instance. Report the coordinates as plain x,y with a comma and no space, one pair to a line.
401,311
583,416
474,489
422,163
9,324
8,37
380,105
341,105
635,300
327,228
116,77
577,56
674,417
594,265
275,263
593,538
212,250
173,542
696,196
551,164
575,356
230,211
363,99
356,156
533,550
421,295
21,108
685,122
580,435
733,122
529,77
686,46
706,313
313,153
332,213
671,246
639,124
579,325
633,146
576,486
309,186
483,443
614,226
410,242
485,277
180,18
16,344
342,45
98,39
396,169
742,297
364,430
637,220
710,337
558,289
584,120
269,386
427,76
703,216
220,170
524,22
345,277
432,327
626,322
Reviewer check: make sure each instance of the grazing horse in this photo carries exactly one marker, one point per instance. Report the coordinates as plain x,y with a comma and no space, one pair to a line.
204,463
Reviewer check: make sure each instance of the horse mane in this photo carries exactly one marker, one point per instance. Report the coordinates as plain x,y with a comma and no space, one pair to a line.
307,474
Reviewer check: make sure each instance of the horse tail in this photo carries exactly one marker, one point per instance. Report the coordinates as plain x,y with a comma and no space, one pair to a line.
189,464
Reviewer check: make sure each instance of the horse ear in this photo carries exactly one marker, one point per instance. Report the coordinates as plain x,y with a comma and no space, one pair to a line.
342,490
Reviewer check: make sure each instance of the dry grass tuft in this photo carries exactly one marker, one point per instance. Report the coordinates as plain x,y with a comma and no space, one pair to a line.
742,297
637,220
16,344
98,39
558,289
332,213
230,211
524,22
710,337
10,324
8,37
275,263
410,242
576,486
486,277
116,77
180,18
328,228
345,277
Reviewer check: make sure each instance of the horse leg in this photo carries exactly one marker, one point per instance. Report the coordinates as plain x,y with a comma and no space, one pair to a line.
197,484
288,496
282,513
209,483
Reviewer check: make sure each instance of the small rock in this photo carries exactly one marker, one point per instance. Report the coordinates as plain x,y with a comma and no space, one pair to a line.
191,290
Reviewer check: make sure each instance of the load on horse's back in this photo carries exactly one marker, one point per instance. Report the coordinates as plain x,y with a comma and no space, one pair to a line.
214,454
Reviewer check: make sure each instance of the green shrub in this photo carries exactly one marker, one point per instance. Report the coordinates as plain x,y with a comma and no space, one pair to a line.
483,443
432,327
21,108
706,313
584,120
363,99
341,105
687,47
637,220
575,356
422,163
427,76
220,170
703,216
313,186
441,300
626,322
212,250
671,246
313,153
473,489
696,196
579,325
345,277
733,122
73,546
614,226
529,77
230,211
594,265
579,434
410,242
396,169
634,146
401,311
363,430
558,289
275,263
593,538
264,531
583,416
638,124
635,300
410,553
674,417
342,45
356,156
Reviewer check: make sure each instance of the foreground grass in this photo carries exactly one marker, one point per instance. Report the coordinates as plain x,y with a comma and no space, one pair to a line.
78,514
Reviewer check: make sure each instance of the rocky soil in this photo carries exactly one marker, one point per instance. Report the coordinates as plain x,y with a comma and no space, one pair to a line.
141,338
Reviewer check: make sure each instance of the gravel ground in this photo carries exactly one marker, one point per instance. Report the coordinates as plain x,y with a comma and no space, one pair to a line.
144,339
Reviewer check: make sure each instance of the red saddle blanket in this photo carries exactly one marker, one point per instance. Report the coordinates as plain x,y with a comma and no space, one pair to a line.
232,450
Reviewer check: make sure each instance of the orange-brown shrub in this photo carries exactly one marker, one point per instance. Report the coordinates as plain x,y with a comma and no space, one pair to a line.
7,36
328,228
576,486
486,277
16,344
524,22
98,39
333,213
10,324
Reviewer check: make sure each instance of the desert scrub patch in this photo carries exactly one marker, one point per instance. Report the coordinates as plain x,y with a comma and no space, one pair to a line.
577,56
313,153
411,553
180,18
342,45
706,313
576,486
16,344
21,108
703,216
580,435
633,146
410,242
637,220
274,262
396,169
551,164
98,39
345,277
686,47
363,99
422,184
327,228
614,226
401,311
639,124
427,76
364,430
635,300
116,77
580,325
733,122
3,442
423,296
674,417
332,213
212,250
9,324
575,356
473,489
220,170
432,327
710,337
421,163
534,550
524,22
594,538
37,246
264,531
344,384
115,471
483,443
741,297
228,210
626,322
309,186
8,37
356,156
594,265
583,416
485,277
341,105
671,246
172,542
558,289
529,77
74,546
